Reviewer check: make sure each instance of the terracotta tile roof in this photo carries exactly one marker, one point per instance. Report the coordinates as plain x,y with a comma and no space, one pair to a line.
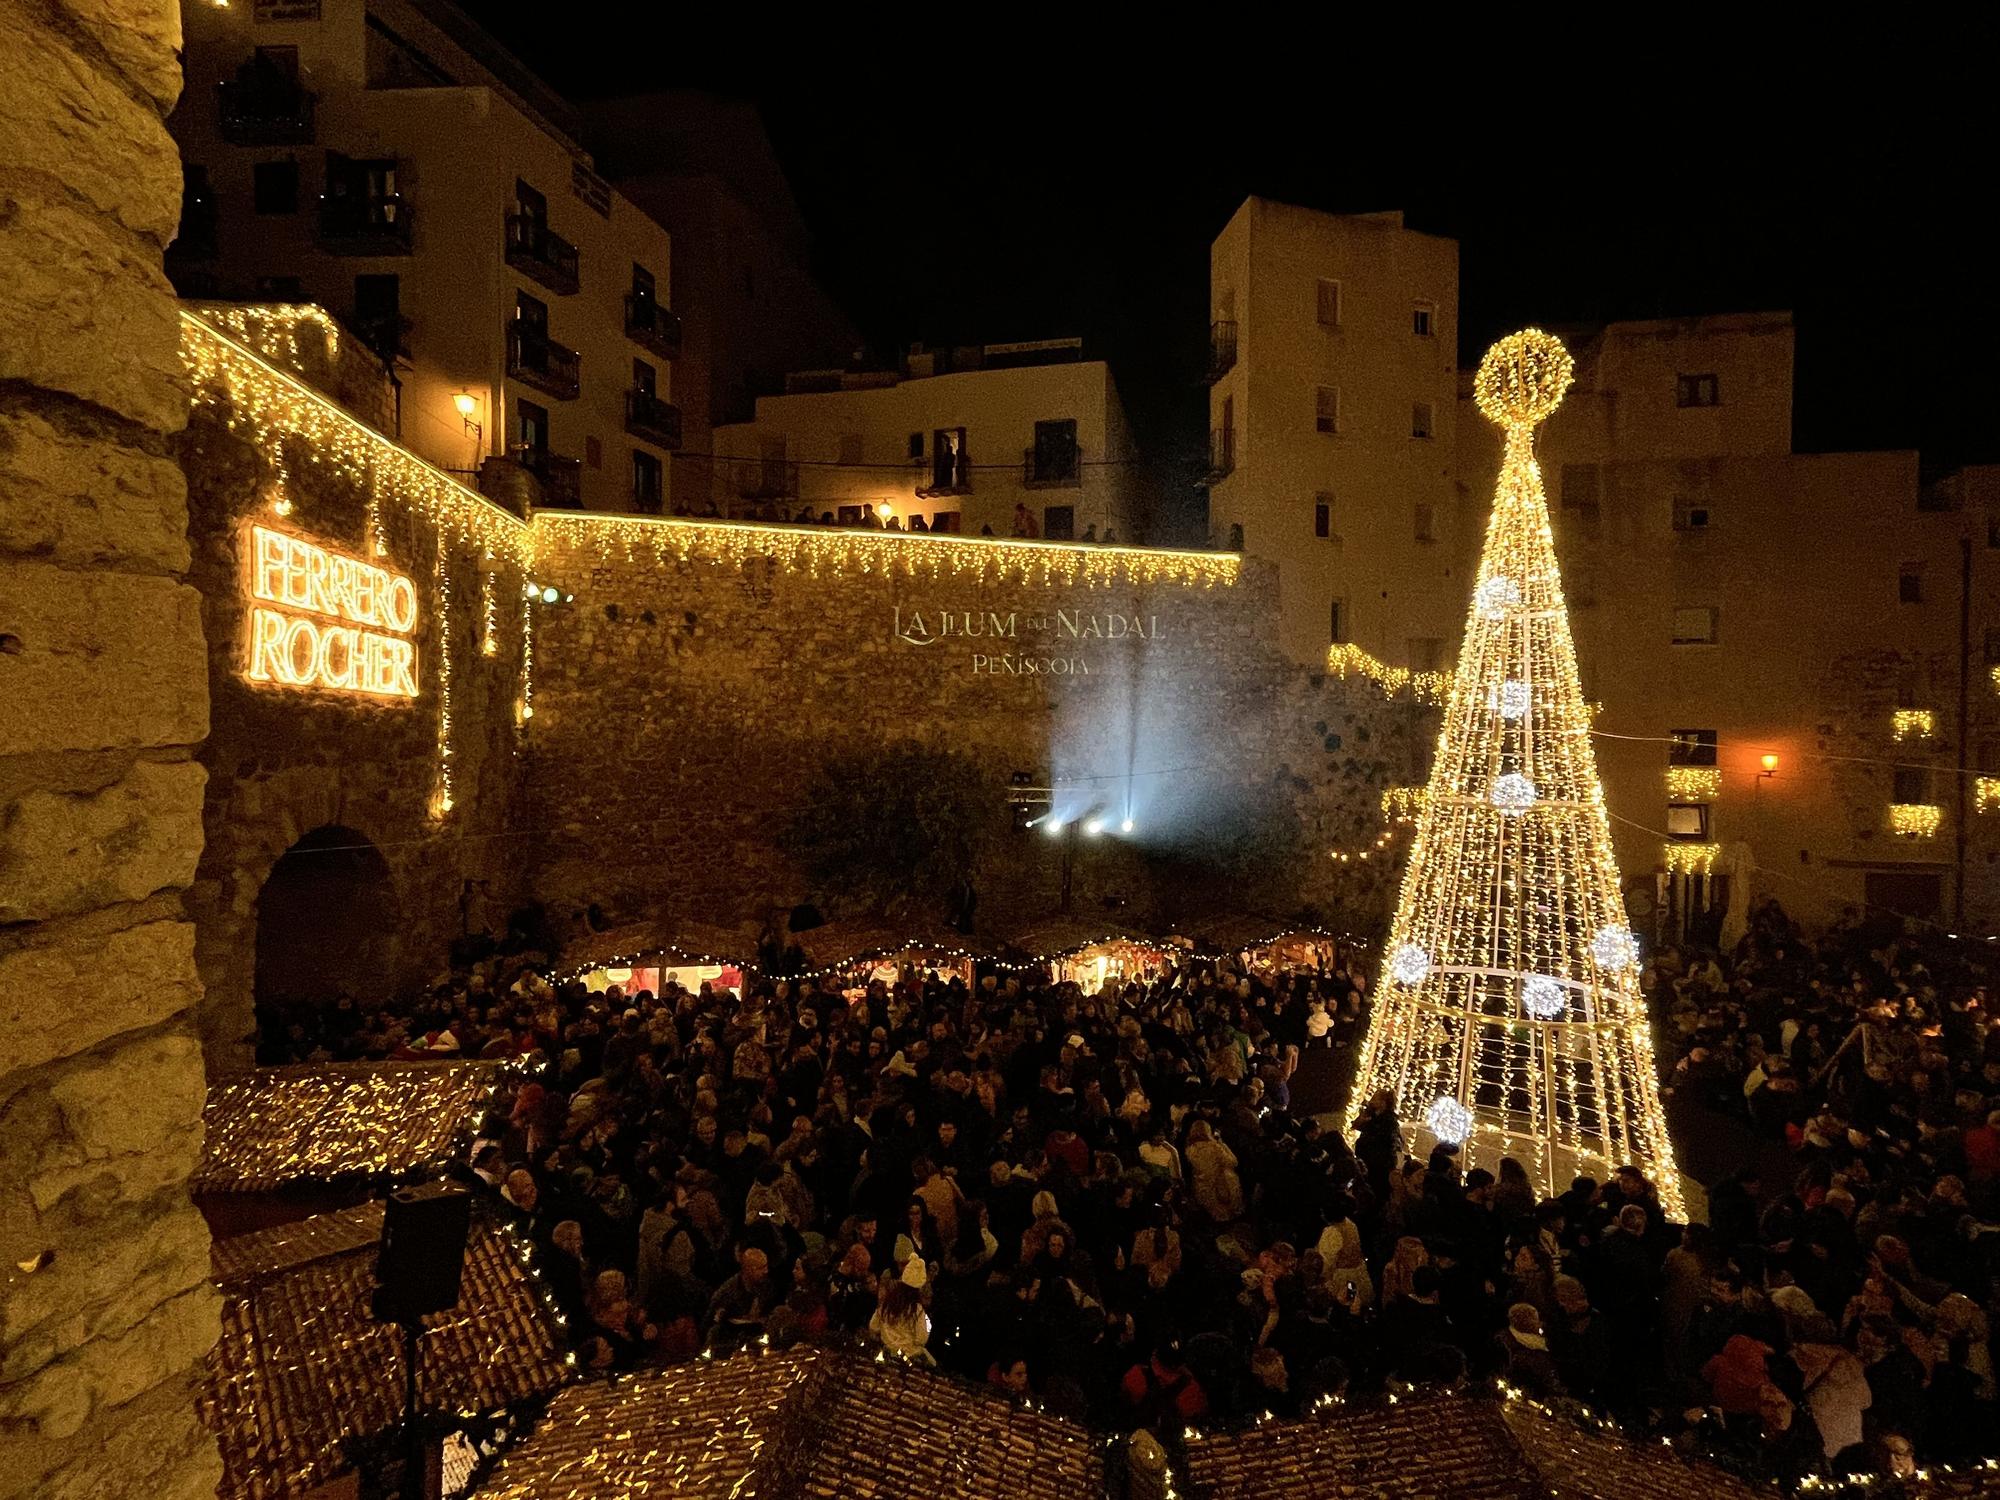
792,1426
337,1121
1417,1447
302,1364
1467,1446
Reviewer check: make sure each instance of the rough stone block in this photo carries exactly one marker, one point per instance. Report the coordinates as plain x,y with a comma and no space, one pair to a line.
114,1127
153,1446
63,853
93,661
96,1284
62,113
89,501
142,38
87,308
59,1398
137,977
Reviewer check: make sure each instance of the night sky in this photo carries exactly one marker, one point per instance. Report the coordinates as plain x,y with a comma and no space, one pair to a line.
951,204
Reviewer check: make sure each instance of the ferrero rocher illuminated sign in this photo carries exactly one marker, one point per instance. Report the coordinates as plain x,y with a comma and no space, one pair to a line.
325,620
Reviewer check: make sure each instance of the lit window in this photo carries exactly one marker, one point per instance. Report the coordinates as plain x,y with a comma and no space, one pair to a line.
1422,419
1326,408
1687,820
1422,319
1694,625
1696,390
1329,303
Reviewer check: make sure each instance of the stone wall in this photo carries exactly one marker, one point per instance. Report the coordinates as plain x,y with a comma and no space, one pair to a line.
105,1304
683,708
286,761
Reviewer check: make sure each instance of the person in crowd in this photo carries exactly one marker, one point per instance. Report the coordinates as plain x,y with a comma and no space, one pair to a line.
1005,1172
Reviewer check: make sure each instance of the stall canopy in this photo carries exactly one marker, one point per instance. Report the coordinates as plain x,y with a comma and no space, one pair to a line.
837,945
677,944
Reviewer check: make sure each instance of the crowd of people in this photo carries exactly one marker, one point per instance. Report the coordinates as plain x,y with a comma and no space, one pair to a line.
1105,1201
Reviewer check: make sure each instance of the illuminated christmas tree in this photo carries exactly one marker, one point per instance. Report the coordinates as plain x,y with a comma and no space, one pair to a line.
1508,1017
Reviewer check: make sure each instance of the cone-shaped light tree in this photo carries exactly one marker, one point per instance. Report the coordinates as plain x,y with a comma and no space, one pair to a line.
1508,1016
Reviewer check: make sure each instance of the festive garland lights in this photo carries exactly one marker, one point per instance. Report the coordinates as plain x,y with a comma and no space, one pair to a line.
1915,820
441,800
1986,794
1511,879
1349,660
1683,858
1693,783
1913,724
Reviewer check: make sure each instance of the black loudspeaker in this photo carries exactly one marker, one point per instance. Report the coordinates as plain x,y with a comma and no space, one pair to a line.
423,1250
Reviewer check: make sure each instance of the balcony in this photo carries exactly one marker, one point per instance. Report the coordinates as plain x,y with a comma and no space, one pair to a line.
561,478
536,359
648,417
1221,350
1221,454
364,224
652,326
539,253
261,107
1052,468
768,479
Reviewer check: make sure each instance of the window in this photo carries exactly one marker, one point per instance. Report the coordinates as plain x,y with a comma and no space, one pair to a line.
1059,522
1337,622
274,187
1424,653
531,427
1580,488
1426,521
1055,458
645,378
1422,417
1421,319
916,445
532,314
1993,645
1326,408
850,450
533,206
1323,516
1910,584
644,289
1329,303
1694,625
850,515
1687,820
645,483
1691,747
378,312
951,465
946,520
1913,784
1695,390
1690,514
280,289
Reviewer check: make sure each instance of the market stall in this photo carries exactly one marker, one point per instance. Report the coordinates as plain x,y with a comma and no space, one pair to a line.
644,956
866,950
1084,954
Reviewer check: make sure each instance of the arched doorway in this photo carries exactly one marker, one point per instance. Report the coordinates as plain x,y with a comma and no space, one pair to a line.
327,918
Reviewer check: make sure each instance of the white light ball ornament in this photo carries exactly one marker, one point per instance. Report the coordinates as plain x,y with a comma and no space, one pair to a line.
1496,596
1542,998
1615,947
1409,964
1513,793
1511,699
1450,1121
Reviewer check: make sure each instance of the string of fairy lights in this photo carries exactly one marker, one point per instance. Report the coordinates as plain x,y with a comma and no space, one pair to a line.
1511,1011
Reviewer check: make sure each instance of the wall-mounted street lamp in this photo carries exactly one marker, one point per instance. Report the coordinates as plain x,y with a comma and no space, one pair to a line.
1770,765
467,405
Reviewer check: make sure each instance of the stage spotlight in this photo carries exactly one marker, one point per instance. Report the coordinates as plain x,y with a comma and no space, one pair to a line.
1094,827
1052,826
1126,826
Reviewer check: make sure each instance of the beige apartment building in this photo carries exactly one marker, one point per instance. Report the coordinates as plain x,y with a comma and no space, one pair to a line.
954,441
1795,653
1332,409
388,161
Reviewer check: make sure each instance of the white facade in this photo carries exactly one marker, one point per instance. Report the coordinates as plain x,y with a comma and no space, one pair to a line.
960,452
